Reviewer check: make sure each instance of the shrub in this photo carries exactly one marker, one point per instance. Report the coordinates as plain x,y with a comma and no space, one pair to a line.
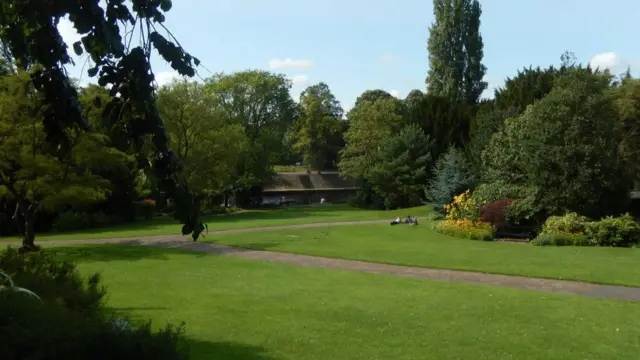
467,229
495,213
53,280
65,320
463,206
71,220
561,239
31,329
524,207
570,223
100,219
610,231
145,209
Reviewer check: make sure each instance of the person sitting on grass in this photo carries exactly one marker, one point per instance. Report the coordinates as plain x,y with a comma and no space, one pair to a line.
396,221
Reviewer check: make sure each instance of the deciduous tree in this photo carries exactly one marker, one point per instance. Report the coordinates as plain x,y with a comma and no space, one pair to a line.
369,124
563,150
319,127
372,95
627,101
201,136
260,102
121,62
33,174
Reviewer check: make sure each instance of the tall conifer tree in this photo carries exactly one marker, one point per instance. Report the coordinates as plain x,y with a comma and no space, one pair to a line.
455,51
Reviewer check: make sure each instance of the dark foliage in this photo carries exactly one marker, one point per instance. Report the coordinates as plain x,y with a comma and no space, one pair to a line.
54,281
366,197
446,122
31,329
495,213
33,39
529,85
145,209
67,319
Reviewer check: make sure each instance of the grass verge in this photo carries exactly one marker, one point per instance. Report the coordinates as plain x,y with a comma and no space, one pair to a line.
421,246
242,309
293,215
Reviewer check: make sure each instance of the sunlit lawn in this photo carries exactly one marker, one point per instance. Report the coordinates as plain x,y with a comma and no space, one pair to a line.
243,309
292,215
421,246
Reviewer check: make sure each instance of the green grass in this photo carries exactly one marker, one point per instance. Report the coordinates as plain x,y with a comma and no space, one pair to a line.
421,246
292,215
242,309
289,168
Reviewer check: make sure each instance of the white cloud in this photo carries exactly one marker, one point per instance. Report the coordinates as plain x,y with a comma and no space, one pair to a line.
166,77
389,59
68,32
299,80
289,63
607,60
395,93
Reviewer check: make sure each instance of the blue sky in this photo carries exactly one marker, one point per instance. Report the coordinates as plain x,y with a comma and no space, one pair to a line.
355,45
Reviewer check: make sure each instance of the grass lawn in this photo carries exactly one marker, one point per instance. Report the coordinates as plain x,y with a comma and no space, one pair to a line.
247,219
243,309
421,246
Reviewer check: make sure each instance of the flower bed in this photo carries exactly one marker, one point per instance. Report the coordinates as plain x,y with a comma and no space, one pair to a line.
465,228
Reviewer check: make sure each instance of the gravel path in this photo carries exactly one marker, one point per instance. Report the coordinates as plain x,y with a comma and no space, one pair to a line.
211,233
519,282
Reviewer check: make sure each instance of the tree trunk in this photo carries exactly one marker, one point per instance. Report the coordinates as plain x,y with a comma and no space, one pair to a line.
27,227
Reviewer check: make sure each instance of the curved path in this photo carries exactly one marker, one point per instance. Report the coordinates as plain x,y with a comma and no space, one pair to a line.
520,282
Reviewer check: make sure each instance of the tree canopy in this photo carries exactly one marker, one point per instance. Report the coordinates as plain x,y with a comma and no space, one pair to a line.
564,150
35,44
402,168
33,174
369,123
319,128
456,51
201,136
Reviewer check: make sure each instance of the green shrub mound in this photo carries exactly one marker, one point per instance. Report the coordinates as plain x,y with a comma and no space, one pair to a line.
622,231
67,319
561,239
570,223
573,229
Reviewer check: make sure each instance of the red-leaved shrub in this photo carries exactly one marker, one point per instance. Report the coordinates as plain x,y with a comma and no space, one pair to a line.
494,213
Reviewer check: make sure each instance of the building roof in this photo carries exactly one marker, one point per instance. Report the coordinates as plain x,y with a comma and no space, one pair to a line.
313,181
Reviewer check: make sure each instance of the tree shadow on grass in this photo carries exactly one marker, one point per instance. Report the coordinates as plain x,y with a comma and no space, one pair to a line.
198,349
119,252
205,350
